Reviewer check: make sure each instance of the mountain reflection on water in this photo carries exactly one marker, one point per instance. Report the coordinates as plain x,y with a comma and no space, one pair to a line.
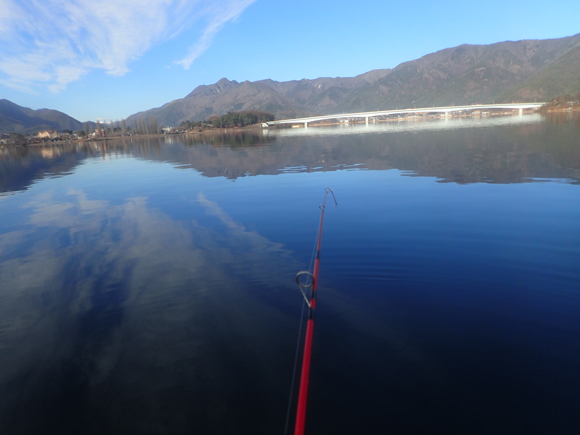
147,285
466,151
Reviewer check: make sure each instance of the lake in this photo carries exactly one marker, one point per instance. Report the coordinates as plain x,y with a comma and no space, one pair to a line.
147,285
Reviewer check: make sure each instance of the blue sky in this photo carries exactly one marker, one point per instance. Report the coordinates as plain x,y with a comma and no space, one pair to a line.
107,59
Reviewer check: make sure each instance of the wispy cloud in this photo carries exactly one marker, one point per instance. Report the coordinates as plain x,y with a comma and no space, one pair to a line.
219,17
51,43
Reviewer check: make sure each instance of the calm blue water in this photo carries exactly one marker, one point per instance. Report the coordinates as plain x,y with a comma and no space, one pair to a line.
147,286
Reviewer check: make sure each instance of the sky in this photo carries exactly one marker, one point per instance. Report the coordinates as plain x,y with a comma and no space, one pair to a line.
108,59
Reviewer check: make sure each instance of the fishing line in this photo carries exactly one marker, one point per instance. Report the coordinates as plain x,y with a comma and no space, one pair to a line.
293,383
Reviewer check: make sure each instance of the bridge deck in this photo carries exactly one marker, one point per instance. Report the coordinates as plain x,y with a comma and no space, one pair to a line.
445,109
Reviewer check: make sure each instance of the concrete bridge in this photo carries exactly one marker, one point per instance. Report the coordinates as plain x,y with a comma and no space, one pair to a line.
424,110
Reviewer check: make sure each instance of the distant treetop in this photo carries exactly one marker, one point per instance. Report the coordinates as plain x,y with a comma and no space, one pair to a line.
233,119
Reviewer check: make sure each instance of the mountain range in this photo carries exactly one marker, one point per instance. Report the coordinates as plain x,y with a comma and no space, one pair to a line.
508,71
525,70
18,119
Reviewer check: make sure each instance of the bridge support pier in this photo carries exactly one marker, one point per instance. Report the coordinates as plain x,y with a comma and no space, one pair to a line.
305,125
366,121
520,111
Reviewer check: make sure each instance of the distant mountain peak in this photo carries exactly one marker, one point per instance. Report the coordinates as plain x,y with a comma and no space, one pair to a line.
217,88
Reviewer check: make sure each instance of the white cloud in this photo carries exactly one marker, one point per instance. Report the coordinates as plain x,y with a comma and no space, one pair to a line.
54,42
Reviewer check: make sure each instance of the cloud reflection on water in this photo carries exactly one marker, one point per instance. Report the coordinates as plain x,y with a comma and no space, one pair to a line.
110,310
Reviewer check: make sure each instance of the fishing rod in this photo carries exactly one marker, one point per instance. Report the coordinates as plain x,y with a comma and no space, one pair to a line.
311,281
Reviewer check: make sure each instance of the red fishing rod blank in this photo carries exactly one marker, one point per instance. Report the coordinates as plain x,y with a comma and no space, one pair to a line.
311,302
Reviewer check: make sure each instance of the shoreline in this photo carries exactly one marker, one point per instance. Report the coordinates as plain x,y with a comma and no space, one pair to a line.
259,128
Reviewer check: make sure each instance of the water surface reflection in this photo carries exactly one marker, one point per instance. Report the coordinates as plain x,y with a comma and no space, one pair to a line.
493,151
147,285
